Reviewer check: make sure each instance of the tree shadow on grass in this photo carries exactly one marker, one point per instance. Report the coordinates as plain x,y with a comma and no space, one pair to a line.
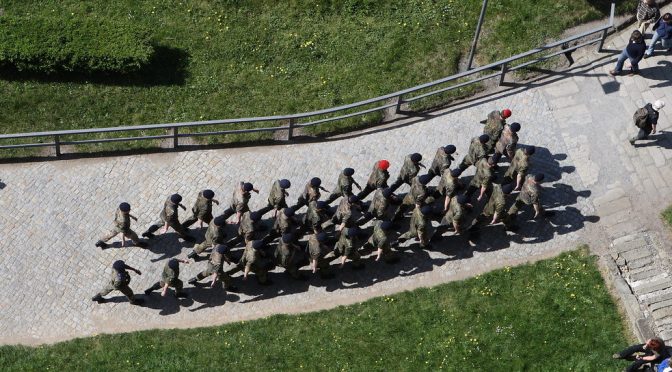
167,66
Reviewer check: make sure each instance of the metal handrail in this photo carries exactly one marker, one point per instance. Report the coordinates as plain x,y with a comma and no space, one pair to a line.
503,66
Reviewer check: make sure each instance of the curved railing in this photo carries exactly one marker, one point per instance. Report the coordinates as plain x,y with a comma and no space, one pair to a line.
395,99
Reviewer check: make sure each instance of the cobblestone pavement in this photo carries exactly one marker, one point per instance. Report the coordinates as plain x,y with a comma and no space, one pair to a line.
603,191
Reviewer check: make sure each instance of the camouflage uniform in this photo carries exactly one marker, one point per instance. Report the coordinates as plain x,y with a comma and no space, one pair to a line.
248,230
318,251
477,151
420,228
381,208
344,213
493,128
119,281
482,178
529,195
496,204
254,261
289,256
377,179
239,202
417,195
348,247
310,193
213,235
284,224
215,265
314,218
408,171
448,185
169,214
276,198
440,163
519,165
202,210
343,188
506,145
455,214
380,240
171,277
122,224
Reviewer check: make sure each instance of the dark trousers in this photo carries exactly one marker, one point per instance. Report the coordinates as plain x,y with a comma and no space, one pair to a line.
365,192
228,213
642,134
629,354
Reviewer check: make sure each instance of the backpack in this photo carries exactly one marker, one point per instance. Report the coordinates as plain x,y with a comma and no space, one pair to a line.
641,117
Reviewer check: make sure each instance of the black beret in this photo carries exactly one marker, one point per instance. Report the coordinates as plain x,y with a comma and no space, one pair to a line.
255,216
426,209
289,212
321,236
220,220
424,179
315,182
119,265
530,150
176,198
288,238
353,231
257,244
386,225
247,187
353,199
462,199
514,127
539,177
208,194
125,207
173,263
221,248
415,157
285,184
348,171
456,172
449,149
483,138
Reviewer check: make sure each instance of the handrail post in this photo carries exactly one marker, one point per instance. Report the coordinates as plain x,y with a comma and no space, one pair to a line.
399,102
600,45
476,35
175,138
505,68
290,129
57,144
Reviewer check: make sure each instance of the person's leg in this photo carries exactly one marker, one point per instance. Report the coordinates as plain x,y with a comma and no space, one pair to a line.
666,43
619,62
652,45
153,288
190,221
635,365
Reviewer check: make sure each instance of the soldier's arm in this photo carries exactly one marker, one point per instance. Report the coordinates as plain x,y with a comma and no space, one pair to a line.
494,218
422,165
239,214
654,128
519,181
255,190
165,228
182,206
215,276
446,203
456,226
480,196
323,189
356,184
164,290
133,217
215,201
184,261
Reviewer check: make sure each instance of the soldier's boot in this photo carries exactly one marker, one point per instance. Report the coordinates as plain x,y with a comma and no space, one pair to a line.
192,281
192,255
101,244
98,298
141,244
153,288
150,232
231,288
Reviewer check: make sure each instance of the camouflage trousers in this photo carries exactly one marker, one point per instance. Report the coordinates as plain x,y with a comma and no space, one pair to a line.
123,288
211,269
127,233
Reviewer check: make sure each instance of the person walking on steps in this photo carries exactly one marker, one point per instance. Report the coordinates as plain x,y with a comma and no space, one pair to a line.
646,119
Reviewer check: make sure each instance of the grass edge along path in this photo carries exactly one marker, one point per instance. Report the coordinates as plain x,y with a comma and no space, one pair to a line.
552,315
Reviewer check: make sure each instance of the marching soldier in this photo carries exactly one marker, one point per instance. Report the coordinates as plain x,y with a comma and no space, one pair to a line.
529,195
409,169
344,185
380,241
495,209
344,213
120,280
311,192
202,209
213,235
169,278
449,185
456,213
122,224
239,201
442,160
419,195
285,223
316,216
519,165
215,270
276,198
347,246
494,126
506,145
289,256
317,251
254,260
477,151
169,218
420,226
377,179
483,177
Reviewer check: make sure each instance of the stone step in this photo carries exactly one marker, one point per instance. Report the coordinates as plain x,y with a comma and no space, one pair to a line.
636,254
651,287
660,305
647,274
640,263
629,245
661,313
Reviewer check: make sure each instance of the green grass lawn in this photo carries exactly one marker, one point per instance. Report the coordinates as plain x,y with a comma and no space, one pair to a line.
554,315
241,58
667,215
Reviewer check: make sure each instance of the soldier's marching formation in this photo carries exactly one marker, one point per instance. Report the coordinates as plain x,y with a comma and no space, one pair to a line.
324,233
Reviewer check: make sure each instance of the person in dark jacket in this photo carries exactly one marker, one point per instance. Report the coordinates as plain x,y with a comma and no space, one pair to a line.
663,32
653,351
634,51
651,121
